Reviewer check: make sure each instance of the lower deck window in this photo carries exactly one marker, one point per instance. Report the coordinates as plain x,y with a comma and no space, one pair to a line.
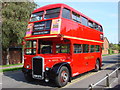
62,48
77,48
44,47
85,48
30,47
92,48
97,48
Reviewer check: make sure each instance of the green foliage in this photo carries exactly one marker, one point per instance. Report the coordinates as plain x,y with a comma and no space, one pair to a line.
110,51
114,46
15,17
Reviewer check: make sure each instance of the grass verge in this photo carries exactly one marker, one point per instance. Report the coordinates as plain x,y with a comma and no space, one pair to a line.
110,54
11,65
10,69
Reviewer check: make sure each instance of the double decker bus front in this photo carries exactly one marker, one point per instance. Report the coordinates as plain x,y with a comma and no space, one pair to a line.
45,22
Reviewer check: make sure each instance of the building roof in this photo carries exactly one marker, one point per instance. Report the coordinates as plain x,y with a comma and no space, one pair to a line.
105,38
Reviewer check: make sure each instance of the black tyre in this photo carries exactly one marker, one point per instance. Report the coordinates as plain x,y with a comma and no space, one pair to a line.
97,66
28,77
63,77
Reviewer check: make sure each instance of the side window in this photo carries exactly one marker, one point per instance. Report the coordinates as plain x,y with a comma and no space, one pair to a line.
96,26
62,48
84,21
90,24
97,49
76,17
92,48
66,13
85,48
77,48
100,28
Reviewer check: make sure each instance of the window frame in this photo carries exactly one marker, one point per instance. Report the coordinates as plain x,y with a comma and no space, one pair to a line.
85,47
85,19
52,13
78,48
37,16
32,47
96,48
76,17
92,48
64,8
68,48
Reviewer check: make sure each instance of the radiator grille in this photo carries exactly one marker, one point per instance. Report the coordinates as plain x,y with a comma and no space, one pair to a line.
37,68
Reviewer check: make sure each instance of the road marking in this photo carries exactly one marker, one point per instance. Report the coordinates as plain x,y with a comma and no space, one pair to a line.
0,83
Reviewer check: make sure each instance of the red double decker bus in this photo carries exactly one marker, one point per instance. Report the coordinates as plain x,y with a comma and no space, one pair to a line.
60,44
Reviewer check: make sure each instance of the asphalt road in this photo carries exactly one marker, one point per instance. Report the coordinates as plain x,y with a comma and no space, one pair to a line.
15,79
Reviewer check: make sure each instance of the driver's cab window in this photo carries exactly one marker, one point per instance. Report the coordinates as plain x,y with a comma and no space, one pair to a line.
45,47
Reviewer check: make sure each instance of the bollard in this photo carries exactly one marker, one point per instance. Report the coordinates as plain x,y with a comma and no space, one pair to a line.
117,74
90,87
107,80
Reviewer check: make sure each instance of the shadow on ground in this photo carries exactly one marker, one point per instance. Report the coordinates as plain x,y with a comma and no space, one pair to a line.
19,76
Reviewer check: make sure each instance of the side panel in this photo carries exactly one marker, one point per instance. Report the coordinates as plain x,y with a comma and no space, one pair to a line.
73,29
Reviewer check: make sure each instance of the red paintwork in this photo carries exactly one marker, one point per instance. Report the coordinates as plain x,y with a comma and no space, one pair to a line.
79,62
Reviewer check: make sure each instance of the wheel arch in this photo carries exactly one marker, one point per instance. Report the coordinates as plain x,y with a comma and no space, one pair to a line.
56,68
98,59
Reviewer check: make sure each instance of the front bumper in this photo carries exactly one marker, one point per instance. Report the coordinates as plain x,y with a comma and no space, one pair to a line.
47,74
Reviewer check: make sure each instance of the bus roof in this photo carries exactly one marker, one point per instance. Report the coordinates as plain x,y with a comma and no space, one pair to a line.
50,6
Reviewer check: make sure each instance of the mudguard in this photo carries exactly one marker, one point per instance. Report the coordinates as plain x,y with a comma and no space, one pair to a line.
56,68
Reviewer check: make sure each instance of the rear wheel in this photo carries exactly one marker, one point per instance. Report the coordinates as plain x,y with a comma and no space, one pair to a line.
63,77
97,66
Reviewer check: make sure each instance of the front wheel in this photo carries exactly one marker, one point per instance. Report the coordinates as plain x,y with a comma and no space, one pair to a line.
63,77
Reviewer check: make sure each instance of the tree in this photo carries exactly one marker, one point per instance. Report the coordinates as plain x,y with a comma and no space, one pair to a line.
15,16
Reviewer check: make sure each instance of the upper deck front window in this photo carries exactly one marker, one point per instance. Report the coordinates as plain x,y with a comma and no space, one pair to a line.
36,16
52,13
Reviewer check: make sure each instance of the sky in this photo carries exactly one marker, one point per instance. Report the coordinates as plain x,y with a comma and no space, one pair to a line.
106,13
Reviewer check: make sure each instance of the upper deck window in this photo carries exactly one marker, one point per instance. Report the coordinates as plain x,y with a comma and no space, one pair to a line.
100,28
52,13
91,24
96,26
84,21
76,17
66,13
36,16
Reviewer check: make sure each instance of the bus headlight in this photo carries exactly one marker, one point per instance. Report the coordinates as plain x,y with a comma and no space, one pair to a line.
47,68
28,66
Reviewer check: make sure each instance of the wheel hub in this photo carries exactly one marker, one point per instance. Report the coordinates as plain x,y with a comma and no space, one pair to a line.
64,76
